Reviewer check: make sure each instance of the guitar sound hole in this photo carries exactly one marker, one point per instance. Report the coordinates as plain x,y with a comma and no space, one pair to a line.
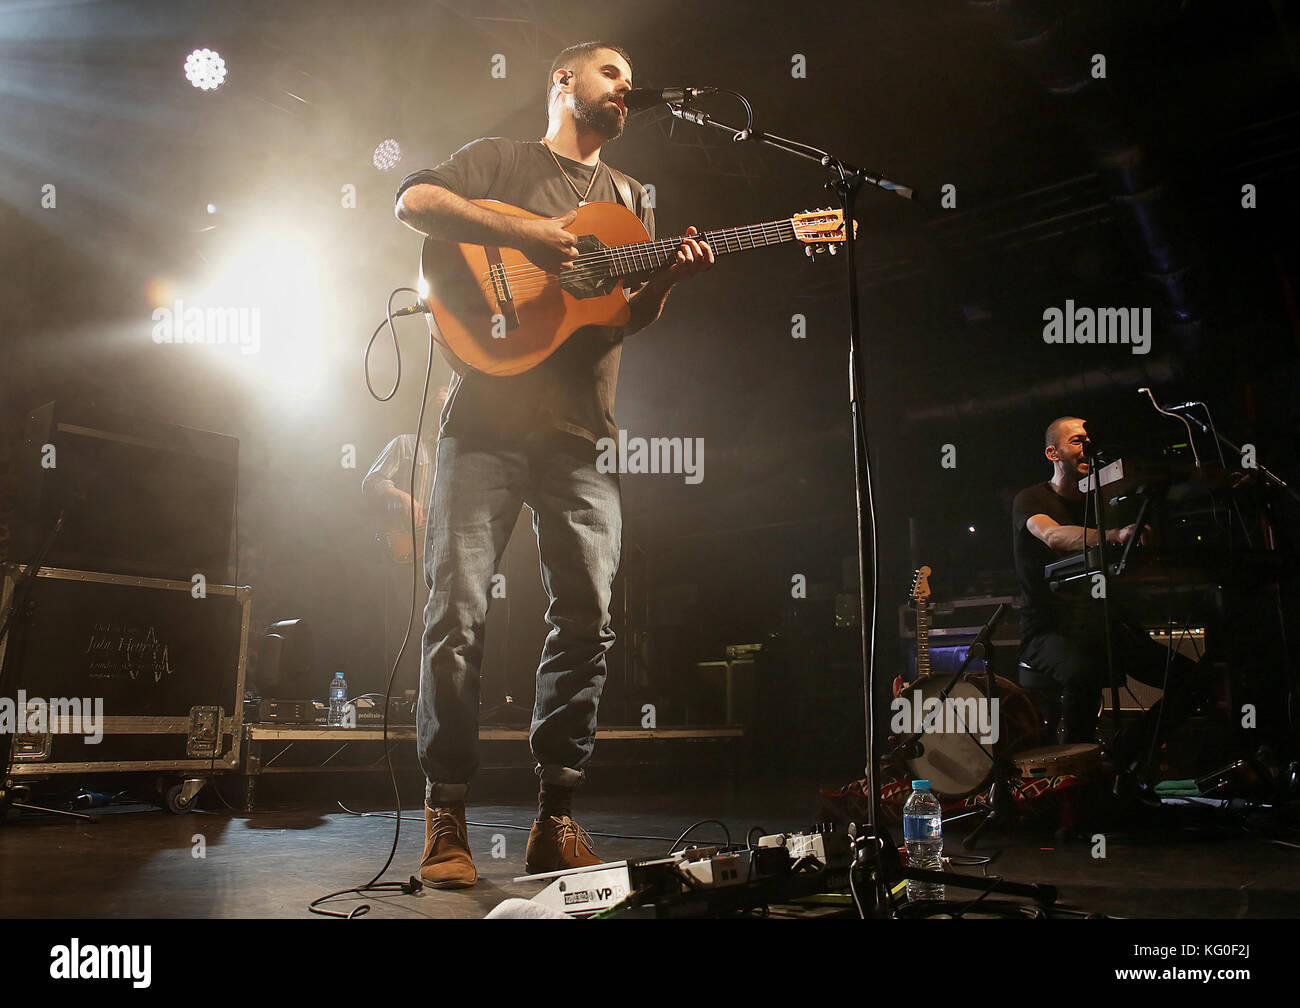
591,278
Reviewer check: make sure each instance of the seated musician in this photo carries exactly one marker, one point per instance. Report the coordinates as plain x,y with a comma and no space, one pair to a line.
1064,634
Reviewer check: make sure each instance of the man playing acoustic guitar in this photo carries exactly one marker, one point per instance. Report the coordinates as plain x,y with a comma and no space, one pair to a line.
529,439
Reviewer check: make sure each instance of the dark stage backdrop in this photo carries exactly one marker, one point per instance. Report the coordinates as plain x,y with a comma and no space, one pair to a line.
1163,177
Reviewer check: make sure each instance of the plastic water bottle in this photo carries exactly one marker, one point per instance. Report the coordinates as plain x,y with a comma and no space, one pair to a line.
338,698
923,836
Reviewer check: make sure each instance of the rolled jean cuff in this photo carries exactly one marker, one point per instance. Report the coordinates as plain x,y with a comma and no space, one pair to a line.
441,795
561,776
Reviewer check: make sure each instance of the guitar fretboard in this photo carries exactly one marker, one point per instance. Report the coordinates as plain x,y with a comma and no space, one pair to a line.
642,257
922,640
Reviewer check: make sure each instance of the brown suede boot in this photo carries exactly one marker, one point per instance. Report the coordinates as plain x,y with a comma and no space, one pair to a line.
447,863
556,843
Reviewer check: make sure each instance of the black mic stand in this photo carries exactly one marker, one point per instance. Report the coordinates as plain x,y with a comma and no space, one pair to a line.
906,743
874,849
1269,476
1099,509
1000,790
1000,803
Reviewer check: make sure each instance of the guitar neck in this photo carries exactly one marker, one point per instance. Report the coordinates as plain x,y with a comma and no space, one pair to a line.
922,640
642,257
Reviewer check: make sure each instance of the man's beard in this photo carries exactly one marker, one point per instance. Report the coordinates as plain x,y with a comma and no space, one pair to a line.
603,117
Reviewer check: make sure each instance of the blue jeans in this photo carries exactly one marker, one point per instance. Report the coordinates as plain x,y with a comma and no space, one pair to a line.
478,489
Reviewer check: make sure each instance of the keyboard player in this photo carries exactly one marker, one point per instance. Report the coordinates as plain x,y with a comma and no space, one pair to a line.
1064,635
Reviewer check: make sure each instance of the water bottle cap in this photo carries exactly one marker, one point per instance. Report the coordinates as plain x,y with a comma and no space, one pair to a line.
338,675
920,785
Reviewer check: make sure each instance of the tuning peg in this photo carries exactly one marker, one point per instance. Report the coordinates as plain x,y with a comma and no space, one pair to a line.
821,248
833,249
808,251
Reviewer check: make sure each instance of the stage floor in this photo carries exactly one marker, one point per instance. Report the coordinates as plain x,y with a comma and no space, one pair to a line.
272,863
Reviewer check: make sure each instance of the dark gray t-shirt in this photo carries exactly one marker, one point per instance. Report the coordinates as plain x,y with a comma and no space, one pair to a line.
573,389
1042,610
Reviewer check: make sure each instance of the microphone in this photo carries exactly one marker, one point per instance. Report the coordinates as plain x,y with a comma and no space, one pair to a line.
644,98
1187,408
1103,452
1092,448
1187,422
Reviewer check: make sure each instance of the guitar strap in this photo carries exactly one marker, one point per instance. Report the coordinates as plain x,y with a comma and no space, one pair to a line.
624,186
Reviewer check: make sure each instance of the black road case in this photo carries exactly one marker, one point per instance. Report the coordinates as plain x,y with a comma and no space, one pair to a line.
162,661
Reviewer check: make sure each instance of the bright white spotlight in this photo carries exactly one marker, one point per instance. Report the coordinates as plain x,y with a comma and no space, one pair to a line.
266,300
212,208
205,69
387,154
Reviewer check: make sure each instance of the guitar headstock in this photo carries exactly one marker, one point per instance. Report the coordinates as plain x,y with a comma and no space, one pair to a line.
921,584
821,230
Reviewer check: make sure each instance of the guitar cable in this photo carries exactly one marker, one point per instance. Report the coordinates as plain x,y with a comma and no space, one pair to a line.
413,884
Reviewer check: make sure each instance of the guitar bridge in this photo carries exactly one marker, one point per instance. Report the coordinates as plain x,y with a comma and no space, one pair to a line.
500,282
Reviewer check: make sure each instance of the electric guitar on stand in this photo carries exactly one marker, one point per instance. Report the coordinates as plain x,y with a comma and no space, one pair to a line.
959,763
495,312
921,592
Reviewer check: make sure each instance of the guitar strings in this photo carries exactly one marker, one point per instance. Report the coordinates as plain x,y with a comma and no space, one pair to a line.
527,280
594,264
638,250
524,280
591,264
671,244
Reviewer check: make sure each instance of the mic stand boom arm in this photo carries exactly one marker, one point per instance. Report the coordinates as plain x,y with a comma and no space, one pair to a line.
826,160
875,851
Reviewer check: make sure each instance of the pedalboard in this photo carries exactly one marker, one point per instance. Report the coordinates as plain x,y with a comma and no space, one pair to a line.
696,872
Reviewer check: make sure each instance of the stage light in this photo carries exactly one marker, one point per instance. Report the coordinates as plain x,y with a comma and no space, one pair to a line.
387,154
970,528
268,284
160,291
212,208
205,69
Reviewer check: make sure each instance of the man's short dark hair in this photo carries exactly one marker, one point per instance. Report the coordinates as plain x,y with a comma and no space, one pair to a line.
576,56
1053,432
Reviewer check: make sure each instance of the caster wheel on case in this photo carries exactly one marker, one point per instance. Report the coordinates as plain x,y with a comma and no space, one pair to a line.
179,797
173,801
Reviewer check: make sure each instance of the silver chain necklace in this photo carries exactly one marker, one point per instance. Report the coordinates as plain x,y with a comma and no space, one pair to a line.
582,196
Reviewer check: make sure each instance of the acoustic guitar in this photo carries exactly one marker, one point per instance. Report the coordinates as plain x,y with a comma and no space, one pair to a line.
495,312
